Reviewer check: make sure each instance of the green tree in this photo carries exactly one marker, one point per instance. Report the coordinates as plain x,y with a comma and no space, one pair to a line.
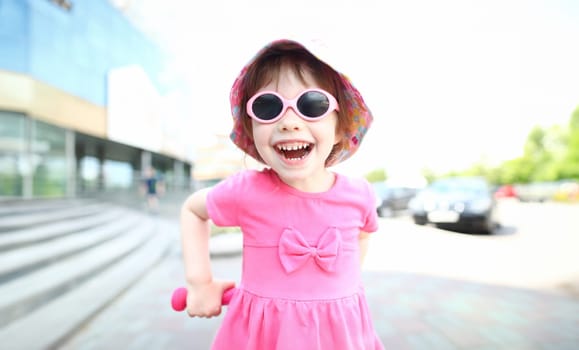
569,168
429,175
549,154
516,170
376,175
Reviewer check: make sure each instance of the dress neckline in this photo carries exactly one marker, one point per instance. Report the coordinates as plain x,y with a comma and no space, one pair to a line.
291,190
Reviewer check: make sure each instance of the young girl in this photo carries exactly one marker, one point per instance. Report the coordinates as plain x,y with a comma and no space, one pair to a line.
305,228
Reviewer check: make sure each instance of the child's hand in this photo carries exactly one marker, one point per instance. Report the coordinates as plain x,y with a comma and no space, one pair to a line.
204,300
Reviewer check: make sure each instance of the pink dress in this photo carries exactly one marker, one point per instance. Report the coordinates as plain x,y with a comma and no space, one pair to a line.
301,282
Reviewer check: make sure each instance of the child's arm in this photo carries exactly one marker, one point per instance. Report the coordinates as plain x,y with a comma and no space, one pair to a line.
204,294
363,242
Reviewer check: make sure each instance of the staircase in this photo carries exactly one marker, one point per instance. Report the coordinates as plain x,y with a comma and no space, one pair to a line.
62,261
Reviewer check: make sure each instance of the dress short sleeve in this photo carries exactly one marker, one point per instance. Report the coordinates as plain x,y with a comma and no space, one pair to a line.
223,201
371,219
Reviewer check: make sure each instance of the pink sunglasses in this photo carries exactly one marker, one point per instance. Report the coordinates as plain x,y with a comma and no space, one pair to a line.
311,105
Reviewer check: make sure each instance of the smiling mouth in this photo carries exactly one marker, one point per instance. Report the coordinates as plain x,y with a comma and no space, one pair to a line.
294,151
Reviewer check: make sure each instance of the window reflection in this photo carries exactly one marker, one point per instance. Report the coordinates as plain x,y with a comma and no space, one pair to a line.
48,160
89,172
12,153
118,175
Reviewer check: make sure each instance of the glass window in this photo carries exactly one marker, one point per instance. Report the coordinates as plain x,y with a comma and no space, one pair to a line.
118,175
89,173
13,160
48,149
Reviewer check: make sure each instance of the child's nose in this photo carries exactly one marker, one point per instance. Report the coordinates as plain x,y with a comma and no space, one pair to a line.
290,120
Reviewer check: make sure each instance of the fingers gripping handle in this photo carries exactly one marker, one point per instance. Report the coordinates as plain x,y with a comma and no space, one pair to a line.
179,298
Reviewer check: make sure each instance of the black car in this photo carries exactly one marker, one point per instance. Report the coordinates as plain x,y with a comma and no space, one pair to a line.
391,200
463,203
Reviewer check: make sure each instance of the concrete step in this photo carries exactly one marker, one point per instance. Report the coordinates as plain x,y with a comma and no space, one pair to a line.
28,219
42,233
30,291
61,265
21,260
15,207
50,324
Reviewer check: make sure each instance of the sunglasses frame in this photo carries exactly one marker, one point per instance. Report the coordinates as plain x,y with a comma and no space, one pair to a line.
287,103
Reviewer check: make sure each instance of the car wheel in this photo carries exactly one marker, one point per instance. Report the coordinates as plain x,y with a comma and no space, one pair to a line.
489,228
419,221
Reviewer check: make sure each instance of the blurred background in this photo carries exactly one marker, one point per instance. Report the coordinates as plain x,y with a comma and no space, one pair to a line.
94,93
113,111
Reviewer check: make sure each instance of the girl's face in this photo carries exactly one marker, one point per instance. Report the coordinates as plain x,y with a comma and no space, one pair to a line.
294,148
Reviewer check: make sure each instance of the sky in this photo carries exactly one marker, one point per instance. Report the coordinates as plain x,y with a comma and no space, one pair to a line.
449,82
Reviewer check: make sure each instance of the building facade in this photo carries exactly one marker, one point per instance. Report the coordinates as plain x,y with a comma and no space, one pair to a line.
82,103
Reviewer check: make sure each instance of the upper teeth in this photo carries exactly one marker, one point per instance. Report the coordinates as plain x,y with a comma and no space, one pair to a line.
293,147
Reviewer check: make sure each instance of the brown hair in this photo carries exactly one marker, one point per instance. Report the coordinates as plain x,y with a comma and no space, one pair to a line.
266,68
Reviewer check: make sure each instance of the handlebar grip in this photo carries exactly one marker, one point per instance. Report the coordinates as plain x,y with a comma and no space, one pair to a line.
179,298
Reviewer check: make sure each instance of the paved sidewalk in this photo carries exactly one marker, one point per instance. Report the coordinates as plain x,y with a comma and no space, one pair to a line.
142,318
410,312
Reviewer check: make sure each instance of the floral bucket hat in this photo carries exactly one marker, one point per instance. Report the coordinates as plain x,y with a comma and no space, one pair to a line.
356,110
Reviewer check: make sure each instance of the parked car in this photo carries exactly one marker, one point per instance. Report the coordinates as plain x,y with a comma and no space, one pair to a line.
506,191
464,203
391,200
568,191
537,191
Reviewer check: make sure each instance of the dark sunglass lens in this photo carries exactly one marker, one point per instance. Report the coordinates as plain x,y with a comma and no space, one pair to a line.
313,104
267,106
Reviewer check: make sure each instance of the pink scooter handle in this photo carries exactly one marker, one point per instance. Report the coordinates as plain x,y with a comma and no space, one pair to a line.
179,298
